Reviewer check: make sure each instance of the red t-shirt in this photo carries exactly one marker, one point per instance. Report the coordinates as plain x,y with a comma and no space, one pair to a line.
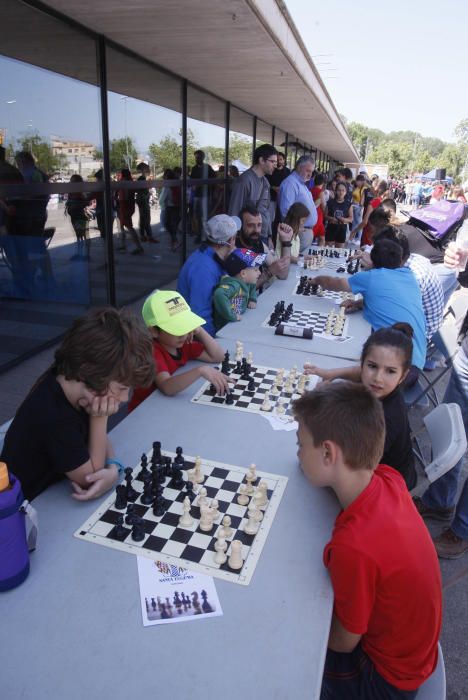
319,228
365,240
166,363
386,580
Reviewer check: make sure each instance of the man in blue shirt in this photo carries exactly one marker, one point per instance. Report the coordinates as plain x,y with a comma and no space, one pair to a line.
391,294
201,272
294,189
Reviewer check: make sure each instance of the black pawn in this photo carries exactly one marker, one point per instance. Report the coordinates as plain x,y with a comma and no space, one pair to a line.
179,458
121,497
138,532
147,495
130,516
159,506
225,364
132,495
229,398
189,491
120,531
144,467
251,384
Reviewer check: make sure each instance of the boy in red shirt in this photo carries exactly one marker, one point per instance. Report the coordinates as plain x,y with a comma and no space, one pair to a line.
381,560
178,338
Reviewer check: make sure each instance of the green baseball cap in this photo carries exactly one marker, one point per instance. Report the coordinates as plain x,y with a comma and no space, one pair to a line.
170,312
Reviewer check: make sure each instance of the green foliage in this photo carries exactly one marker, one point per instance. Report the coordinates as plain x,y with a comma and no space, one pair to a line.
461,132
42,152
407,152
122,154
240,148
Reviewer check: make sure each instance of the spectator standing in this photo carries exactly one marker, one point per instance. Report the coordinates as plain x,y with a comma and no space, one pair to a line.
252,188
294,189
201,194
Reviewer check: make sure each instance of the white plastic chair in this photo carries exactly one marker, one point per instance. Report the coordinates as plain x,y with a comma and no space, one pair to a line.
435,688
445,427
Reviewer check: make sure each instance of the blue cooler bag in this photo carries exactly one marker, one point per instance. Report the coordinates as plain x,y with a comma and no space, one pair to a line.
14,555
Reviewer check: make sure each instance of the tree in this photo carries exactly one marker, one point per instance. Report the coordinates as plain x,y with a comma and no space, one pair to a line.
43,154
167,153
461,131
396,155
122,154
240,148
452,159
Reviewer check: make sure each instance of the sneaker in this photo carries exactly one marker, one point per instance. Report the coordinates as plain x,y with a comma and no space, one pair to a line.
445,515
449,546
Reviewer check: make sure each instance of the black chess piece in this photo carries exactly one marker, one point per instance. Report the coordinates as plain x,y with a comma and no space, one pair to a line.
251,384
121,497
131,515
153,604
206,607
229,398
177,601
138,532
156,456
120,531
225,366
159,506
189,491
132,495
177,478
179,458
164,614
144,467
147,496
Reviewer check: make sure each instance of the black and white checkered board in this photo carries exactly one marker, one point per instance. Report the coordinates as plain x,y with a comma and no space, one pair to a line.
190,547
328,264
310,319
325,294
244,400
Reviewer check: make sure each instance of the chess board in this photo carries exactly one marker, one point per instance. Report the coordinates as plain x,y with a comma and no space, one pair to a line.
316,320
337,297
166,540
332,264
245,400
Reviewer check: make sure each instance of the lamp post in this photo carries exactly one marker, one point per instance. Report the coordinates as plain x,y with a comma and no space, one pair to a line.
127,156
9,129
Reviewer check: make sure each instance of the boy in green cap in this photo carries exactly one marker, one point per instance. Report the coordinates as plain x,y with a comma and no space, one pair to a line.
177,338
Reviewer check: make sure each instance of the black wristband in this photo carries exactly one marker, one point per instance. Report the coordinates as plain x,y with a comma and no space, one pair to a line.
287,244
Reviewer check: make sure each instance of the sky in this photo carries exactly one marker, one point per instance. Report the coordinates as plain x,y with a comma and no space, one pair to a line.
399,66
392,66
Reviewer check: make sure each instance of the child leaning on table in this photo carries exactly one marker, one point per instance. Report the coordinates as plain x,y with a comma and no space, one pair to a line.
381,560
178,338
237,290
60,429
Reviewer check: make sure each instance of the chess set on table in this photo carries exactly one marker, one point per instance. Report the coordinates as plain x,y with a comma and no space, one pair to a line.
306,323
256,389
307,287
335,259
200,514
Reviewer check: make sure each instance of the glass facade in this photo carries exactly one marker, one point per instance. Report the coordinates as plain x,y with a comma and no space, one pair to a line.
102,192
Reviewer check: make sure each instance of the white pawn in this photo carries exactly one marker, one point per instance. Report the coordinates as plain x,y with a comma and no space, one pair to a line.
261,496
280,409
249,358
206,520
275,390
251,526
266,405
220,547
214,509
199,476
242,497
186,519
257,513
250,477
202,498
235,560
226,531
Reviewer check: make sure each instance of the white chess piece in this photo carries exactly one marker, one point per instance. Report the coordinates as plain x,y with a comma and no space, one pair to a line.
206,519
266,405
242,497
226,531
214,509
220,547
257,512
202,498
199,476
280,408
186,519
275,390
249,358
251,526
235,560
250,477
261,496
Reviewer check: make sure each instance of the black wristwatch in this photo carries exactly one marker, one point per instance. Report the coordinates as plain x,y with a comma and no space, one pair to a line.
287,244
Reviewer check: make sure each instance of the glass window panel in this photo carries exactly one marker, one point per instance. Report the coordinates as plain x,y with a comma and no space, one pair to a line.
51,257
240,138
263,133
145,131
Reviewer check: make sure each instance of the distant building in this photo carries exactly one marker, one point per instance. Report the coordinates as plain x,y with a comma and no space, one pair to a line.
79,154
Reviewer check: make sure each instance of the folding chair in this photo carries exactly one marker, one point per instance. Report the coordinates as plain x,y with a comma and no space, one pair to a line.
435,688
445,340
448,440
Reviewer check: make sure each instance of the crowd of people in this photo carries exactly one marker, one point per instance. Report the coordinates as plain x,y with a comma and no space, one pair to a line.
353,436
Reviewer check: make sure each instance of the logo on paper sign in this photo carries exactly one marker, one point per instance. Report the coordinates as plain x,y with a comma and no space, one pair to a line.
169,569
